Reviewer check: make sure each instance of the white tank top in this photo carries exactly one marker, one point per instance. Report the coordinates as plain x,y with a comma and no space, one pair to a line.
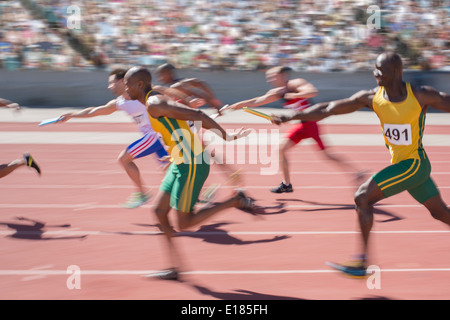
137,111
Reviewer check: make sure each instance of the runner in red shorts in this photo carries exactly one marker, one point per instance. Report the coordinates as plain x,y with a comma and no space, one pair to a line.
295,93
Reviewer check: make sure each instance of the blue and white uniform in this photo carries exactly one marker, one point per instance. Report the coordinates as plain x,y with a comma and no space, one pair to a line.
150,142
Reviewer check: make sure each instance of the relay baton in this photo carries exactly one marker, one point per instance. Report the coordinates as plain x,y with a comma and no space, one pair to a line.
258,113
50,121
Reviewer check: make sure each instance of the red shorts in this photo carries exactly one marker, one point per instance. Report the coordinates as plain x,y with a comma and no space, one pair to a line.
305,130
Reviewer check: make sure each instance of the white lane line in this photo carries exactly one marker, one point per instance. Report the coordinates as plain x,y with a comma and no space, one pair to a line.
82,272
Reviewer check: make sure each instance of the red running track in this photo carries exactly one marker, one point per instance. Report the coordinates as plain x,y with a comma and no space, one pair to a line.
71,217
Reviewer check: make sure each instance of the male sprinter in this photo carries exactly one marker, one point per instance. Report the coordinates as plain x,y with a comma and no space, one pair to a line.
190,164
401,109
198,92
148,144
296,94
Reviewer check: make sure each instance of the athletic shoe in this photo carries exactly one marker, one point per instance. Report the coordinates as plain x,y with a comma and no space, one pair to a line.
245,203
355,269
169,274
136,200
282,188
30,162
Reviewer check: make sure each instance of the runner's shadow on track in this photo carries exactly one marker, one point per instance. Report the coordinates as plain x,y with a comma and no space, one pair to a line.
214,234
279,208
375,298
330,206
238,294
267,210
131,233
35,231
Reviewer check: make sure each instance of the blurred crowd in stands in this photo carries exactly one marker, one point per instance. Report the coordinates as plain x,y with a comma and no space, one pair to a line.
314,36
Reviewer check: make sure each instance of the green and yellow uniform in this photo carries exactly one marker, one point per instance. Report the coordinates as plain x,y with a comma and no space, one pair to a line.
403,124
189,166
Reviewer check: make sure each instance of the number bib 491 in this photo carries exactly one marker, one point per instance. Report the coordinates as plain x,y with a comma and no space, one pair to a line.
398,134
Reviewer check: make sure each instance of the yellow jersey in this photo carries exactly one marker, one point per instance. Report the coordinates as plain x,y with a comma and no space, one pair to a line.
403,124
184,146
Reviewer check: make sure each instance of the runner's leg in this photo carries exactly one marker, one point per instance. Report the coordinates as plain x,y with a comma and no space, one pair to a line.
132,170
367,195
286,145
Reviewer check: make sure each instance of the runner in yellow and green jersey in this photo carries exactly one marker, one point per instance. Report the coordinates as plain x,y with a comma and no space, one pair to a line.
190,164
401,109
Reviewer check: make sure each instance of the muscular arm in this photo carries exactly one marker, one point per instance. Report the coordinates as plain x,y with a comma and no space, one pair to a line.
271,96
159,106
198,88
176,94
90,112
430,97
300,88
325,109
8,104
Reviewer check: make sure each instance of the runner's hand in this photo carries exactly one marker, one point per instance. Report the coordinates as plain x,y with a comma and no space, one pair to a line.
15,106
279,119
236,106
196,103
241,133
64,117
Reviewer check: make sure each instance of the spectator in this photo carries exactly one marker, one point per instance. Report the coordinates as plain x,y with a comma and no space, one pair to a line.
321,35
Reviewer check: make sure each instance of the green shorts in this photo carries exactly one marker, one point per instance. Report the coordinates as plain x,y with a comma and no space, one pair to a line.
184,182
412,175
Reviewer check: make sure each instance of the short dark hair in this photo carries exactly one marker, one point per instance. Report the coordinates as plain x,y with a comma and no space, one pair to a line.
140,73
284,69
279,70
118,73
165,67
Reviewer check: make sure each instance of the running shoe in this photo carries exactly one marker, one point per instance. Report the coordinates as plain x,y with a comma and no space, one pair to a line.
30,162
136,200
282,188
168,274
355,269
246,204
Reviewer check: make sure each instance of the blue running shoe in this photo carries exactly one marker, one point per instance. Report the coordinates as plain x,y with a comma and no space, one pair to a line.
355,269
136,200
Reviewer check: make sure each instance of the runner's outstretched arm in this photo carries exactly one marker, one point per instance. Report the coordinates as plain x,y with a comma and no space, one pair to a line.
9,104
90,112
430,97
160,106
271,96
199,88
323,110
